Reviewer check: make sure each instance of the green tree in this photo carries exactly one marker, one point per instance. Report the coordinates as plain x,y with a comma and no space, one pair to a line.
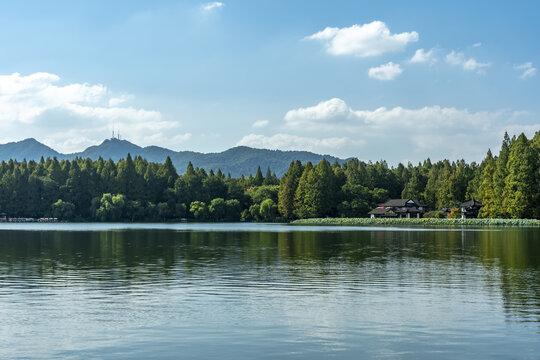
287,189
63,210
199,210
128,181
320,199
260,193
218,209
233,210
445,193
258,179
190,187
268,210
301,210
520,180
487,188
135,211
74,188
168,173
111,207
255,212
164,211
357,201
268,180
214,187
431,189
535,145
415,186
180,210
499,177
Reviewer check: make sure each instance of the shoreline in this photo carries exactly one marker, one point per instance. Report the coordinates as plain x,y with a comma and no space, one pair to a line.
421,222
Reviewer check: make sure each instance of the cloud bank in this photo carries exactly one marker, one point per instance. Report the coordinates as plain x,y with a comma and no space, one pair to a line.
395,134
72,116
282,141
363,40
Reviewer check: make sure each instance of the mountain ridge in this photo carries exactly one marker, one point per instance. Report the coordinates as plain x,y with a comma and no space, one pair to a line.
238,160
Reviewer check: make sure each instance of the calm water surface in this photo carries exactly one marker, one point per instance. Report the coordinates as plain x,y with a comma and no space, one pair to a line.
243,291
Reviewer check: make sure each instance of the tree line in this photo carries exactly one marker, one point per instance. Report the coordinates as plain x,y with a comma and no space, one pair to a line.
508,184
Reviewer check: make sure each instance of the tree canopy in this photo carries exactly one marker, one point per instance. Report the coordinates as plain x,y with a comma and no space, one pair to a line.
134,189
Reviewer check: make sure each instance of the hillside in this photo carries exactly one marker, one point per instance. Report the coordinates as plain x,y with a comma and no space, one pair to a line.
236,161
26,149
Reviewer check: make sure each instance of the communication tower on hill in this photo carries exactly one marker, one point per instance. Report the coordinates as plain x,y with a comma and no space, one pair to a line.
115,135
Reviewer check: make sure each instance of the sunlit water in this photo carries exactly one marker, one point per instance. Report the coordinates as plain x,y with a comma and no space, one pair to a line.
243,291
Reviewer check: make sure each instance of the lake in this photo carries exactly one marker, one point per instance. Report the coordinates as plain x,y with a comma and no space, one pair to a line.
244,291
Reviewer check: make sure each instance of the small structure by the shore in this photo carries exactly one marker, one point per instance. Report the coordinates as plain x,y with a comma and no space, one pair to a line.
470,209
399,208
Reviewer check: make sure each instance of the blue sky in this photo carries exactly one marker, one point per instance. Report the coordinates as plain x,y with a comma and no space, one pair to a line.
337,77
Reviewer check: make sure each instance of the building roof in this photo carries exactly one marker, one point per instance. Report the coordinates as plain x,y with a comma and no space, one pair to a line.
382,211
471,203
400,203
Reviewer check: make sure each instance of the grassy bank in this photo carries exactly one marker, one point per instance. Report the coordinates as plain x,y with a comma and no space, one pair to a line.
426,221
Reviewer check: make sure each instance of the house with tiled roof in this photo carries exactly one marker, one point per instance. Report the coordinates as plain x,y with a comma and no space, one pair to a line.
470,209
399,208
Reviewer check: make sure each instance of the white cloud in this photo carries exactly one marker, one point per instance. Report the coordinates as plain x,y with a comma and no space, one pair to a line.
24,98
212,5
295,142
330,113
385,72
470,64
71,116
478,44
363,40
422,56
260,124
395,133
119,100
527,68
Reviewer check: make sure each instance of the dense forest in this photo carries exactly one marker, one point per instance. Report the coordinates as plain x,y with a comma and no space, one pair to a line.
133,189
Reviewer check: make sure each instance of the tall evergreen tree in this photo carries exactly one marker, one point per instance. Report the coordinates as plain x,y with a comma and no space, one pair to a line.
268,177
445,195
127,180
168,172
487,188
300,208
258,179
520,180
414,188
287,189
74,188
319,191
535,145
499,177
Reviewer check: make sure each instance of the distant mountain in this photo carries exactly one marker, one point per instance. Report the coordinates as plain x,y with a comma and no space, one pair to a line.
237,161
26,149
110,148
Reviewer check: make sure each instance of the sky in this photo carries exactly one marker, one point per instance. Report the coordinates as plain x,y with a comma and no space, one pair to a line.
393,80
